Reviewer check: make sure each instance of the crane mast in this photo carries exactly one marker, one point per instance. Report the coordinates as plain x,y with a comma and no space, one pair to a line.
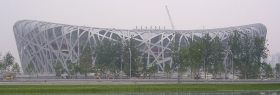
169,16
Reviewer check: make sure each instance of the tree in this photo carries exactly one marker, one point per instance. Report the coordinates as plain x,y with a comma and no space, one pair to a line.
114,65
132,53
246,61
103,56
85,60
9,64
108,57
1,66
207,52
58,69
247,52
235,50
139,66
16,68
74,69
167,70
216,66
277,70
193,56
259,52
253,50
267,70
177,56
8,61
30,69
152,70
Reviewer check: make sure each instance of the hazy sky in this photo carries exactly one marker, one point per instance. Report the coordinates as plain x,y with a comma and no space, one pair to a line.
126,14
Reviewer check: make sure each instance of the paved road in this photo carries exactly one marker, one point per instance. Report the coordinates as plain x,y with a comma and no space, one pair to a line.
128,81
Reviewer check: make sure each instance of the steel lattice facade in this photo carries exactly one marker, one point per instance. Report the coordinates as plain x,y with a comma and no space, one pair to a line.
42,43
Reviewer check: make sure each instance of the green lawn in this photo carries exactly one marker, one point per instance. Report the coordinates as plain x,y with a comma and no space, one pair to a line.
29,89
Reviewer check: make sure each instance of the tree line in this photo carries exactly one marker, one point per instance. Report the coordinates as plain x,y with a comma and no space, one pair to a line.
112,60
239,54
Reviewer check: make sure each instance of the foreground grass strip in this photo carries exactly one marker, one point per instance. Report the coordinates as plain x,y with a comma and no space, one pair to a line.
25,89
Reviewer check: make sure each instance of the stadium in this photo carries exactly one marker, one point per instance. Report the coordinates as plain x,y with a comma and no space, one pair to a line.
41,44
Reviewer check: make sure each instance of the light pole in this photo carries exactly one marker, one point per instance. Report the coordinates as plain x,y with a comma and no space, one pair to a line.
129,63
232,65
122,53
130,56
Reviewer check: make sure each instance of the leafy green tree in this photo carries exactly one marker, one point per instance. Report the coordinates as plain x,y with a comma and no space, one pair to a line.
1,66
108,57
131,51
30,69
253,50
145,71
247,53
103,55
234,42
71,69
277,70
116,58
139,66
152,70
177,56
16,68
193,56
8,61
74,69
216,66
167,70
246,58
85,60
58,69
259,52
267,70
207,52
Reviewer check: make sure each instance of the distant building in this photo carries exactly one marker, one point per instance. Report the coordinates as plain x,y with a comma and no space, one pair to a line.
40,44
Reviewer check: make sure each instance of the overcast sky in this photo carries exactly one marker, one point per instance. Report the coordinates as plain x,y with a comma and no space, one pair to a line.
126,14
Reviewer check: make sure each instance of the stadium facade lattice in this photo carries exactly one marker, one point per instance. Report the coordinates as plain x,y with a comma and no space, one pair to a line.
40,44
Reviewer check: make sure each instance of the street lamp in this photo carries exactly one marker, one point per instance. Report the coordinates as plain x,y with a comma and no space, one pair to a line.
129,63
130,56
232,64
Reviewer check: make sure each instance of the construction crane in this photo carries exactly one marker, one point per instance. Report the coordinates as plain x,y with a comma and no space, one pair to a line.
170,19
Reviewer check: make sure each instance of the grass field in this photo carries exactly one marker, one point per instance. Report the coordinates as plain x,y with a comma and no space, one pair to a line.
29,89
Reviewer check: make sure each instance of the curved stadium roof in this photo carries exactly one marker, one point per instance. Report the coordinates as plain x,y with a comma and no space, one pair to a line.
40,44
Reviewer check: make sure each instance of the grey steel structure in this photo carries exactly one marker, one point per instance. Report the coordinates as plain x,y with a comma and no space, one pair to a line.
42,43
